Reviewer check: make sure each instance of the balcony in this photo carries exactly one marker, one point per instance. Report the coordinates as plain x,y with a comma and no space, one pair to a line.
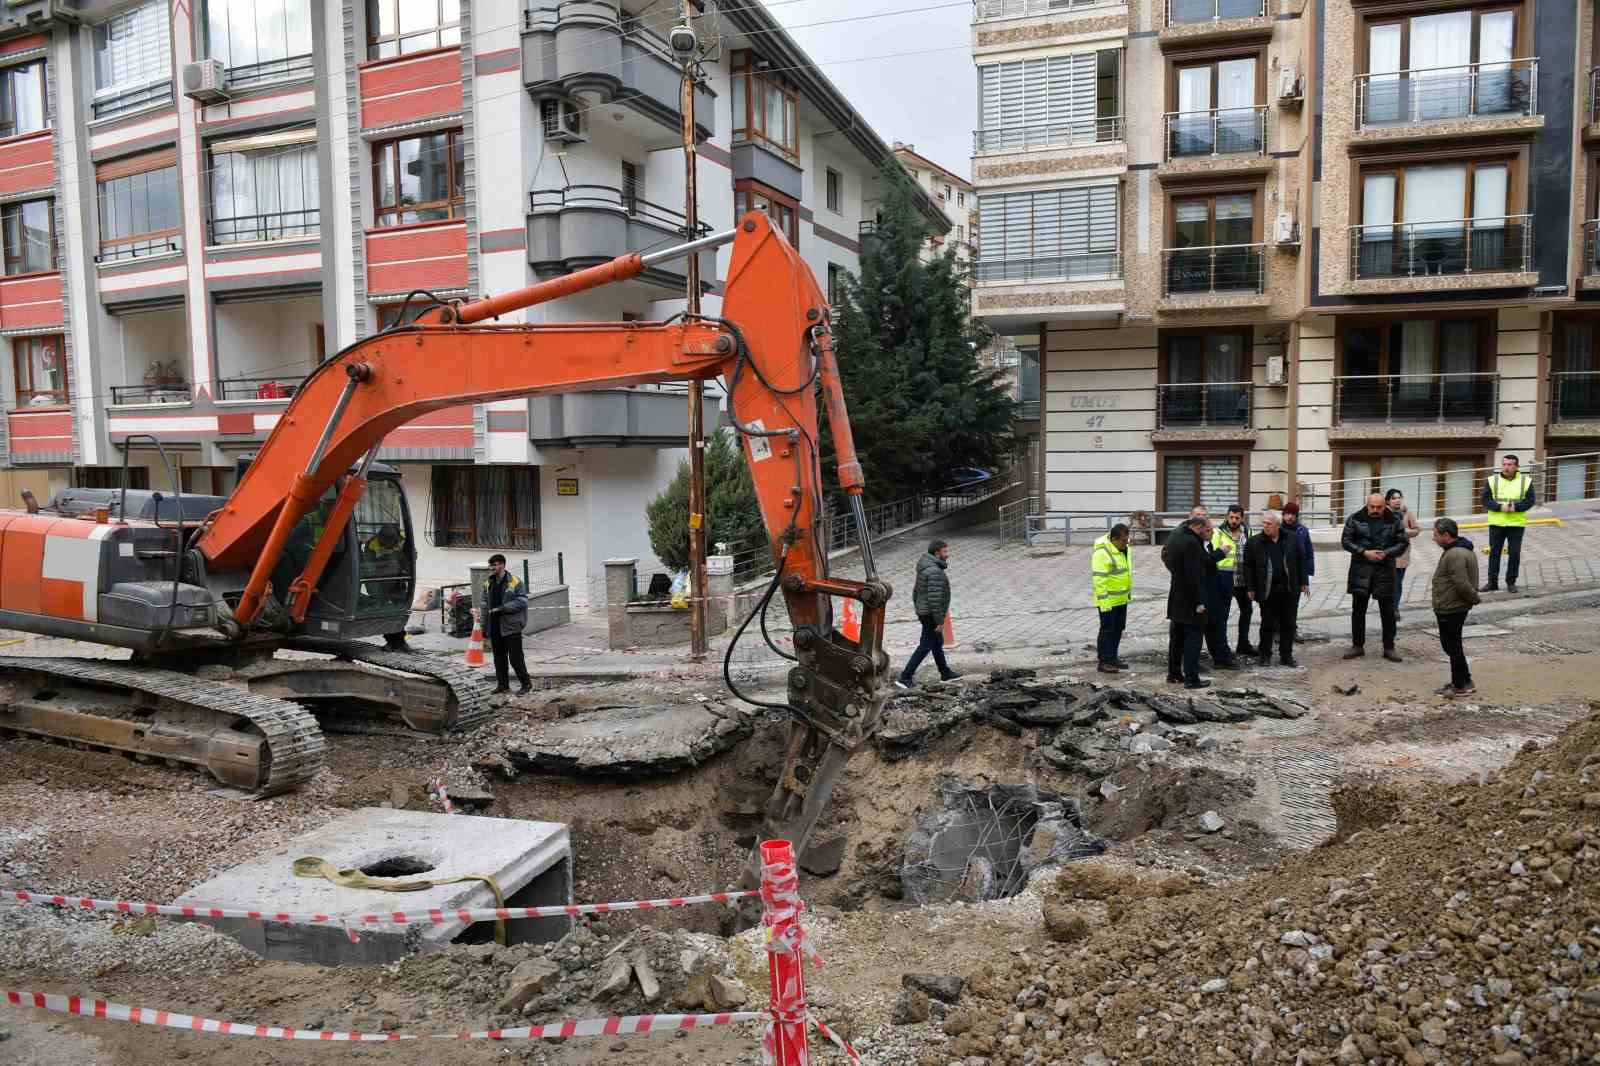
1227,131
1594,96
1591,249
274,226
1575,397
1091,266
139,247
1213,405
1447,94
1415,399
1190,12
1048,135
139,395
111,104
268,387
1220,270
585,225
270,71
648,418
1458,247
992,10
592,47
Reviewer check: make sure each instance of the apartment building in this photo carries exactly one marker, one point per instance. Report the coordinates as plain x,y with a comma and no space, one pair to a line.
201,201
1275,248
953,193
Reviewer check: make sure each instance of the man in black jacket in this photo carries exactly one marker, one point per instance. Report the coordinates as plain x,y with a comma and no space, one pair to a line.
1185,558
1374,538
1274,580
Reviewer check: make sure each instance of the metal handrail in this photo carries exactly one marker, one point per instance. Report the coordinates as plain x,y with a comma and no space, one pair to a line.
137,394
271,70
136,249
271,226
271,387
1444,247
1402,399
1218,268
109,104
1437,94
611,198
1184,12
1085,266
1098,130
1575,396
1216,131
988,10
1203,404
1330,502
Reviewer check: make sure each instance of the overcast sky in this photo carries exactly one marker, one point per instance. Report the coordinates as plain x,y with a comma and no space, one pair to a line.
927,99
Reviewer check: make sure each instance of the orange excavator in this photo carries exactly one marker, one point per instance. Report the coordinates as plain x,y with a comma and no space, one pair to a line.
312,551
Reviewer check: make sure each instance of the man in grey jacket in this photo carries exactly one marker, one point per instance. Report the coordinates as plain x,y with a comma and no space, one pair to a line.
505,613
930,598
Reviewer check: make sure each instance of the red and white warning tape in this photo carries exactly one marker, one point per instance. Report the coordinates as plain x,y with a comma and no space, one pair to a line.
627,1025
434,916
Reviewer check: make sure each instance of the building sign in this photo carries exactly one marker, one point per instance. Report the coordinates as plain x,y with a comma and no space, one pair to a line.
566,486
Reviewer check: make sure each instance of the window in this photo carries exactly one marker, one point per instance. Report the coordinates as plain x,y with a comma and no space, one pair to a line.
961,233
1058,233
835,191
139,208
264,188
485,507
1575,377
1217,481
1214,244
24,103
749,196
1205,379
1213,104
947,191
632,187
1433,485
259,40
765,107
1443,65
132,60
1415,370
400,27
30,236
835,285
961,199
419,179
41,368
1064,99
110,477
1440,218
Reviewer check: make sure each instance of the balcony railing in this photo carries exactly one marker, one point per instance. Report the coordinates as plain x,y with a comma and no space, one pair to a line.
1028,410
1191,11
1591,247
1401,399
1426,249
1203,406
257,388
273,226
132,394
1575,396
139,248
1594,94
1088,266
611,198
248,74
1013,9
1218,131
144,96
1223,269
1048,135
1439,94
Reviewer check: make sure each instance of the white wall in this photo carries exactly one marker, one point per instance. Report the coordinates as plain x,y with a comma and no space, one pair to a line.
142,339
267,337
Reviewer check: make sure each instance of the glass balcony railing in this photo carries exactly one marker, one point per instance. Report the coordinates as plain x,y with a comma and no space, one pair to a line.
1217,131
1575,396
1191,11
988,10
1457,247
1410,399
1224,269
1441,94
1214,404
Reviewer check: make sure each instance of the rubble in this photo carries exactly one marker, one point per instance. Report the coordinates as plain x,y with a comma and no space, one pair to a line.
628,741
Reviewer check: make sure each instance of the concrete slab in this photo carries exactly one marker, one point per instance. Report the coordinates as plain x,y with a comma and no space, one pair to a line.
630,741
531,862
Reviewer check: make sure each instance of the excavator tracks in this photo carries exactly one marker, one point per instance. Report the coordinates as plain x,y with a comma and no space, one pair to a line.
256,743
463,704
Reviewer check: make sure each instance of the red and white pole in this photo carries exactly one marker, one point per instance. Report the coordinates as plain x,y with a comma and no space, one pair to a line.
785,1041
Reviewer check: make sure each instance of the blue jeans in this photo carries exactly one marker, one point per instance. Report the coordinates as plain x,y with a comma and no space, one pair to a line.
1399,585
932,641
1112,623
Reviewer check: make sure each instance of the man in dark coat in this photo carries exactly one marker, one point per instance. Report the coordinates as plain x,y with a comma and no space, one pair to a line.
930,598
505,613
1274,579
1375,538
1185,558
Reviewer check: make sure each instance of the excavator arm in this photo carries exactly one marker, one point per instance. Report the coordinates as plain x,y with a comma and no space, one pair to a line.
772,346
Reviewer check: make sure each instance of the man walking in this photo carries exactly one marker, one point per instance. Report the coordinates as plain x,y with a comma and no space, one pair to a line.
1228,587
1185,556
504,616
1112,568
1272,572
1374,538
1507,496
1292,526
1455,592
930,598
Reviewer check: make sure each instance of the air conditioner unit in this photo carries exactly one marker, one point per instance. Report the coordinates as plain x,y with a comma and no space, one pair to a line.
1277,370
1288,84
205,81
561,121
1285,229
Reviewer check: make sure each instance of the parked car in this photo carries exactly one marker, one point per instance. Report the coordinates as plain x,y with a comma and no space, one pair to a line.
962,477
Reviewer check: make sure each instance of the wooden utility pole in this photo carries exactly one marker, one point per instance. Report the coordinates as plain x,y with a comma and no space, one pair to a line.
697,444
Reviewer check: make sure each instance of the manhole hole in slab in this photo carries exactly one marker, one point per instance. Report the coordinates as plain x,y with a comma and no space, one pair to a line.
397,866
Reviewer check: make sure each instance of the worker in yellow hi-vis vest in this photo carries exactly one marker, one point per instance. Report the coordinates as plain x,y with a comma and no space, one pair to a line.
1112,570
1508,497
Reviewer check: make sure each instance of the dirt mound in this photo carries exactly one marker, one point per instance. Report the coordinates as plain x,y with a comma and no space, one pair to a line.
1142,799
1461,929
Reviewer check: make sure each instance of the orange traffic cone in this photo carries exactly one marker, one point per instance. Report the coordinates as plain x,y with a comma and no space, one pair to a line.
850,620
475,645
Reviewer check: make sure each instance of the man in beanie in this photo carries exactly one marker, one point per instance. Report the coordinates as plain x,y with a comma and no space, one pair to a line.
1293,526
